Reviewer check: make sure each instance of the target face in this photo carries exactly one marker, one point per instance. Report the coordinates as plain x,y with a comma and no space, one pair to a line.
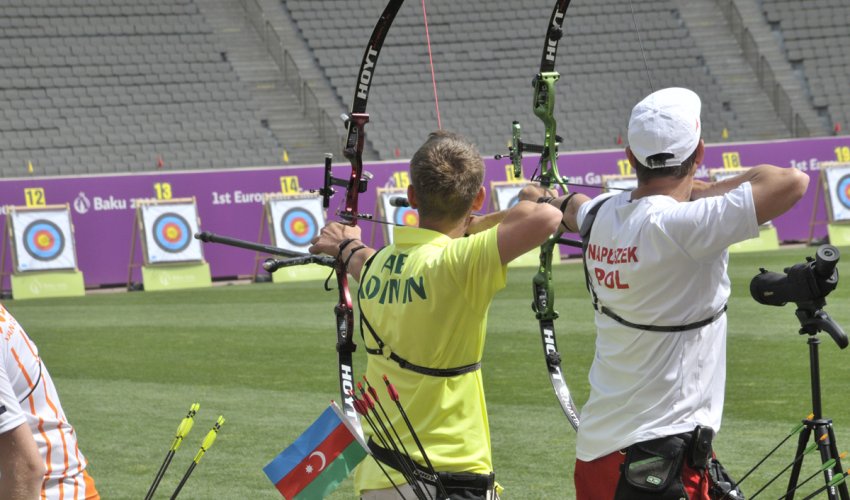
168,228
43,240
294,220
835,177
406,216
504,195
843,191
298,226
171,232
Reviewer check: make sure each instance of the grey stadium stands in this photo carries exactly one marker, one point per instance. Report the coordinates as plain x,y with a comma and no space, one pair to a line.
816,35
97,86
486,53
91,86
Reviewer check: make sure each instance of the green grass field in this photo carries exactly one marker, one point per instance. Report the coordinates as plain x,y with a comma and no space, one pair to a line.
129,365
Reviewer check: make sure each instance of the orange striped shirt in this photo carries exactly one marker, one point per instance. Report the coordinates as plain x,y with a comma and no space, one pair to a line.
27,395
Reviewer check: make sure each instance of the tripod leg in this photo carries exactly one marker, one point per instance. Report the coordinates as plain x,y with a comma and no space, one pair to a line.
838,469
798,465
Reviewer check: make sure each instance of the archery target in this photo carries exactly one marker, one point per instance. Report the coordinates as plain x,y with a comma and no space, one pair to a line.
843,191
43,240
296,221
406,216
506,195
619,183
838,186
169,230
401,216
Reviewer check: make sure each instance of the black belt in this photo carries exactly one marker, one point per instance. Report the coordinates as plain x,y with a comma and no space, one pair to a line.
656,328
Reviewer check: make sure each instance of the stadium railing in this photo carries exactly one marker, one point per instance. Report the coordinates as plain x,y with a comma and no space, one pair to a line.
767,78
328,127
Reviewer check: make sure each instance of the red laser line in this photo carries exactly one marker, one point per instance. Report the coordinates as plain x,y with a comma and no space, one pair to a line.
431,60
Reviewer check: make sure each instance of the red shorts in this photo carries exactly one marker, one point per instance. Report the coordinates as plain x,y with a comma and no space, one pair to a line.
597,479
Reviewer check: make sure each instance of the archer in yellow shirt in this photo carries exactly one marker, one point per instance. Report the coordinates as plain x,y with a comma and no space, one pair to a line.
424,303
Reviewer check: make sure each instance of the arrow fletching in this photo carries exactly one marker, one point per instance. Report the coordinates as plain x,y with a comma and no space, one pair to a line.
185,426
209,439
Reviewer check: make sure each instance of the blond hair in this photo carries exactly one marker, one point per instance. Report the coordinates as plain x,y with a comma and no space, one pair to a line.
446,172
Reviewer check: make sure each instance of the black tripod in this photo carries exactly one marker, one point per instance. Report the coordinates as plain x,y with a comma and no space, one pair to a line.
813,320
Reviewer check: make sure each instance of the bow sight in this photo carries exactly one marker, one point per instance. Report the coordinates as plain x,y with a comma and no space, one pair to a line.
327,191
518,147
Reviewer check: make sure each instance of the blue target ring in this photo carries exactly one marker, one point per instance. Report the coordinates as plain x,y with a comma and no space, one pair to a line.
843,189
298,226
43,240
406,216
171,232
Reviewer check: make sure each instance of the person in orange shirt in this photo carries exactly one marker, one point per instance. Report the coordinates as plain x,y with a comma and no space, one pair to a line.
39,456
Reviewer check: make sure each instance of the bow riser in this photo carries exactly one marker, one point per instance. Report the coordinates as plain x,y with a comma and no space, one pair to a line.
354,153
544,108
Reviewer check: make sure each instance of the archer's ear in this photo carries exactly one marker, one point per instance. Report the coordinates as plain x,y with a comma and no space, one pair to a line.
478,202
631,156
411,197
700,153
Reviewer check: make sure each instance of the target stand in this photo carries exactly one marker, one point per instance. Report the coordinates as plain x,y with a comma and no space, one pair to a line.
44,257
292,221
835,183
768,239
173,258
504,195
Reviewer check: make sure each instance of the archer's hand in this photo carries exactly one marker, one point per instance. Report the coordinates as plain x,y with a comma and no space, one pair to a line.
331,236
533,192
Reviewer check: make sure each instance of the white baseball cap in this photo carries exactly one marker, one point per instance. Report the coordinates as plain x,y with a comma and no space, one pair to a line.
665,122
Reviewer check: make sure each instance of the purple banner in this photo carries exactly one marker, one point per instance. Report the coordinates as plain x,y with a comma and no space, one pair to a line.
230,201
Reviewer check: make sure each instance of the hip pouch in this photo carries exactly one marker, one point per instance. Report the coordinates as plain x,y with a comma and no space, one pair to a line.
468,486
458,485
653,470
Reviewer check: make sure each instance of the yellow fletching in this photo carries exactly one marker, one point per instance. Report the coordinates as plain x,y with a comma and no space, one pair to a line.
185,426
209,439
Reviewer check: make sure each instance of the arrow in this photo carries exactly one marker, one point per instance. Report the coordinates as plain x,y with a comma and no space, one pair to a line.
205,445
182,431
795,430
835,482
799,457
826,465
362,409
394,396
387,441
